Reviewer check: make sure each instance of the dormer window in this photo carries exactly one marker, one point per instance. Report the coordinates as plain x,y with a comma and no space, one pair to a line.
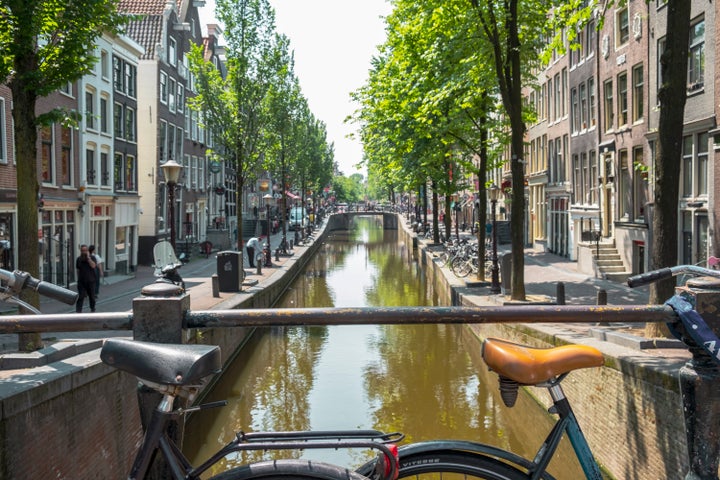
172,52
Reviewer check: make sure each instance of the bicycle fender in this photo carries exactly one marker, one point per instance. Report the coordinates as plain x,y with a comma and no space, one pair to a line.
463,447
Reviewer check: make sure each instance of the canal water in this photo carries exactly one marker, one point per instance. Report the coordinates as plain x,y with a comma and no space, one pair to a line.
427,381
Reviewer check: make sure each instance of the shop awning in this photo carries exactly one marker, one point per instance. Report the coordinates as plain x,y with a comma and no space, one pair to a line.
292,195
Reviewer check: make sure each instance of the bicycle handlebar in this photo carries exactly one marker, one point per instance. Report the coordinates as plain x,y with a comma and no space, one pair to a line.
18,280
667,272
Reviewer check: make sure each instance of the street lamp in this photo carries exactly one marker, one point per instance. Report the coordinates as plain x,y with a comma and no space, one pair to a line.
268,203
494,277
171,170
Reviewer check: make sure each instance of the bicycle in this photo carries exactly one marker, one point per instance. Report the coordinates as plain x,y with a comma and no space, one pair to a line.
179,370
518,365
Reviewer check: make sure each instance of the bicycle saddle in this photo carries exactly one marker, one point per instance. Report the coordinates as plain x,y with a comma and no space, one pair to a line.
531,366
163,363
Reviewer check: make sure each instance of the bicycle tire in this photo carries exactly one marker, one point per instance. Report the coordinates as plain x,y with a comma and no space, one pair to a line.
443,258
289,469
463,269
449,465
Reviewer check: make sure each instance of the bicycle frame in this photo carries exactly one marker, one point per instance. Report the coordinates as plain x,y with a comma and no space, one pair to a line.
156,438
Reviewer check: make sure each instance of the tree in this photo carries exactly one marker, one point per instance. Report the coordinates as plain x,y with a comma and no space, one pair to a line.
672,96
232,106
44,44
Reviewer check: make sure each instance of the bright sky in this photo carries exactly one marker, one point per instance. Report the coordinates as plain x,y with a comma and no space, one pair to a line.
334,41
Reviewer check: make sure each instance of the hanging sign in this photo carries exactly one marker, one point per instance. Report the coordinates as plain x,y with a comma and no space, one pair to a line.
215,166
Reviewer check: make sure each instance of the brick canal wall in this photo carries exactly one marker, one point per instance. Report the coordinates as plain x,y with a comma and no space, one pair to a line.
630,410
78,419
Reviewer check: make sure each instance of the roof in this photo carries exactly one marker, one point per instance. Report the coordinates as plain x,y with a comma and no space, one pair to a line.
148,33
146,7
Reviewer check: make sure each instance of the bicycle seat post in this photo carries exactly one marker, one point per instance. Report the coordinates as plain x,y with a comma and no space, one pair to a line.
698,383
158,317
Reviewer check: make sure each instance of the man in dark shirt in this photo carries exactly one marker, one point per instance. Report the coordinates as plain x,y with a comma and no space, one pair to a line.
85,279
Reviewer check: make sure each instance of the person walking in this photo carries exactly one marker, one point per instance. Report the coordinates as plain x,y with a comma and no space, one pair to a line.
252,247
99,272
85,266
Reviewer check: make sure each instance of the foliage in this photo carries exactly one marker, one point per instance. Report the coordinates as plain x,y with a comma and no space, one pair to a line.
44,45
349,189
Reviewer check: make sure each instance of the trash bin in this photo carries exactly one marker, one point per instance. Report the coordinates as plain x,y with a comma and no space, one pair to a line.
230,275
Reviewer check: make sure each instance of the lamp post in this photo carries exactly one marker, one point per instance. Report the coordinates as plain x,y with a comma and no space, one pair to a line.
494,277
268,203
171,170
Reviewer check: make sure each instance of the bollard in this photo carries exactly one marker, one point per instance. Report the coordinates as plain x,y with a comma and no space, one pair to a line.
602,297
560,295
215,285
158,317
698,384
277,254
258,263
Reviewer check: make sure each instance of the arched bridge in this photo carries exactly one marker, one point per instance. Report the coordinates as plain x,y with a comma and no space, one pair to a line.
343,221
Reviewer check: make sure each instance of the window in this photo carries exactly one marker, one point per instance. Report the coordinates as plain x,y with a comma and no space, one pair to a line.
104,115
180,98
638,99
564,90
558,100
67,89
575,113
46,139
577,179
660,52
622,85
3,134
609,112
118,121
90,166
118,74
593,177
585,174
66,160
695,165
591,93
130,79
130,124
105,64
172,51
172,91
549,103
162,142
130,174
591,38
90,110
622,26
163,88
625,195
104,169
639,187
119,172
696,58
583,107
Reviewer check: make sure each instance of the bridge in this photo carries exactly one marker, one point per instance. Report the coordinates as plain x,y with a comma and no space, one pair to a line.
343,221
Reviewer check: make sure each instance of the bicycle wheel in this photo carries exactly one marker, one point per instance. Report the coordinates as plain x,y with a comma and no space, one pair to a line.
449,465
462,269
443,258
290,469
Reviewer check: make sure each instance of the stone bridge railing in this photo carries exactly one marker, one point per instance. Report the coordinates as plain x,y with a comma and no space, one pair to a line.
343,221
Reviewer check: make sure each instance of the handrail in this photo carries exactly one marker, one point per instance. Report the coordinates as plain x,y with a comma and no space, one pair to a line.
351,316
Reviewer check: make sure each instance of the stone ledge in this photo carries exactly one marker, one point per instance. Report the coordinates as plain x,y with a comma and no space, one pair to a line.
58,351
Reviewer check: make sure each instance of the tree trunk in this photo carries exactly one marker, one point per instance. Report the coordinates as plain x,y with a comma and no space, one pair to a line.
514,108
672,95
27,196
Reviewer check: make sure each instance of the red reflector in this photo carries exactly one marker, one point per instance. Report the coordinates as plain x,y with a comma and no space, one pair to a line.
395,461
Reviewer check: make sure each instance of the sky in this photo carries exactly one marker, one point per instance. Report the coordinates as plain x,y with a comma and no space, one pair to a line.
333,41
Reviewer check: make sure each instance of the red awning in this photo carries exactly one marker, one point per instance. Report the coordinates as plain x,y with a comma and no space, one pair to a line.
292,195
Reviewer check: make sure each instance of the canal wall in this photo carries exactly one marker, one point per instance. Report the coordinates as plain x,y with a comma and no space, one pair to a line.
630,410
78,418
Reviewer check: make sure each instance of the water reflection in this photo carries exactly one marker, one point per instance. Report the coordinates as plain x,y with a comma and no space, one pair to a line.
425,380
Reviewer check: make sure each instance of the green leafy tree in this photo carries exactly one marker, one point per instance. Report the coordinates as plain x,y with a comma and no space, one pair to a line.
44,44
232,105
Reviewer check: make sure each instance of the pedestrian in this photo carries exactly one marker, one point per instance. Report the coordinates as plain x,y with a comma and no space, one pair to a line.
252,247
99,272
85,266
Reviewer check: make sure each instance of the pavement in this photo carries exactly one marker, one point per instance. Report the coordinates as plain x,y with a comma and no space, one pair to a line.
543,272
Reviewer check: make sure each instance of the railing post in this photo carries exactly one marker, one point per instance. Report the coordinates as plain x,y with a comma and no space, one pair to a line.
560,293
699,386
158,317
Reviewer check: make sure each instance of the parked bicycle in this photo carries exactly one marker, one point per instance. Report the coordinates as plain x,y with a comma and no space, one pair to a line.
179,370
518,365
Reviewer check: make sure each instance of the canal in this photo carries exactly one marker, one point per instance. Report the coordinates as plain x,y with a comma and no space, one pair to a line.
425,380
